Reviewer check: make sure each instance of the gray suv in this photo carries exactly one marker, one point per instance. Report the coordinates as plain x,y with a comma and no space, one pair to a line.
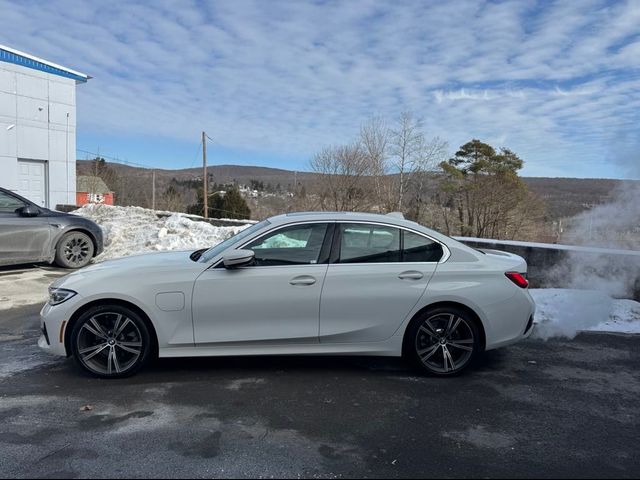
29,233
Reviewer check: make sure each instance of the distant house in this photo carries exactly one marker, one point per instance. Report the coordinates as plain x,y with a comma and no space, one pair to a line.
92,190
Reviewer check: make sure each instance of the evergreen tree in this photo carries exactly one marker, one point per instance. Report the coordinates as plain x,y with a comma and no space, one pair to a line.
231,205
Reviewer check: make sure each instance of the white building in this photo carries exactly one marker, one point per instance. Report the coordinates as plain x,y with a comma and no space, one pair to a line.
38,128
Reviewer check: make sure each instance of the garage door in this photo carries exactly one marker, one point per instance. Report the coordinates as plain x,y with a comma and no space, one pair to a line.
32,181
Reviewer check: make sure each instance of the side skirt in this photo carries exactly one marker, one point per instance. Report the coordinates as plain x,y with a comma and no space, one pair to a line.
389,348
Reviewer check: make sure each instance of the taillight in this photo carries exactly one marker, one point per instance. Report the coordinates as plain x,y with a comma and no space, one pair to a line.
518,279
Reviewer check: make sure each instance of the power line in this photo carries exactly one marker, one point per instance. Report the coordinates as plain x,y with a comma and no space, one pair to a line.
113,159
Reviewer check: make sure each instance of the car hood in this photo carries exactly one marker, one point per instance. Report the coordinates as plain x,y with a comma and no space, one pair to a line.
134,266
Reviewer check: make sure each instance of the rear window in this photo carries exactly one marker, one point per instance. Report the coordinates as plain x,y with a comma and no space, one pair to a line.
420,249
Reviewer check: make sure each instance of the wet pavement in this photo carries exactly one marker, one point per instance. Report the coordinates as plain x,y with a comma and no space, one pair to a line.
561,408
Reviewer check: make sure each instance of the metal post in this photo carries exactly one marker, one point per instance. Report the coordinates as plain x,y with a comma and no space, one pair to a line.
66,157
205,193
153,191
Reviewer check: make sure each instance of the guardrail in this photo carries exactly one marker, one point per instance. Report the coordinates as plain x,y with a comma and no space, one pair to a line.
216,222
554,265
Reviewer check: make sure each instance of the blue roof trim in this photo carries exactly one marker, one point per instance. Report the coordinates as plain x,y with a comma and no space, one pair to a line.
11,57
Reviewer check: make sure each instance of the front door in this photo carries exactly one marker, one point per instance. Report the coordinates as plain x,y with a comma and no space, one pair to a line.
22,239
374,281
276,300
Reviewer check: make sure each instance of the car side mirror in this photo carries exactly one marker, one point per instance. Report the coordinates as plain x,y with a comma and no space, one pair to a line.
29,211
238,258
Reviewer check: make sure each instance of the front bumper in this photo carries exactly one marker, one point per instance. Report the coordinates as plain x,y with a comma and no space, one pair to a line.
54,320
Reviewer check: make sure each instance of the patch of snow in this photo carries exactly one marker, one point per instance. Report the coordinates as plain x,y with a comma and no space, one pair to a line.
135,230
564,312
238,384
25,287
21,355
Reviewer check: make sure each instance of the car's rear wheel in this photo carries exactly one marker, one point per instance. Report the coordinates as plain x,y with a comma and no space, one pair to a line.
443,341
110,341
75,250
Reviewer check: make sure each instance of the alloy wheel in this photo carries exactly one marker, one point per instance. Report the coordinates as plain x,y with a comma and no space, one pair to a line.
77,250
445,343
109,343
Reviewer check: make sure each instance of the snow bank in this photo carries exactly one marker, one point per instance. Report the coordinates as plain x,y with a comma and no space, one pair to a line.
564,312
133,230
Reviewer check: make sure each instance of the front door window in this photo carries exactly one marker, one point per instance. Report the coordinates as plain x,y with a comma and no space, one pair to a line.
294,245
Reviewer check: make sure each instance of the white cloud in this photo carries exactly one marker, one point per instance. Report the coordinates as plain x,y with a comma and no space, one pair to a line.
557,80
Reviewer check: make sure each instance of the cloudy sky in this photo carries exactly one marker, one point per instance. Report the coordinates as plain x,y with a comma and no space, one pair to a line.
274,81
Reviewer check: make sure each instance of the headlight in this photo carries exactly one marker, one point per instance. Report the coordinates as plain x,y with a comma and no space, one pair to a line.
59,295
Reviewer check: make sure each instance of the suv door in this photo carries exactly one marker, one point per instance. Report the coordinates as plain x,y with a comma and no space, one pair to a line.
376,276
22,239
276,300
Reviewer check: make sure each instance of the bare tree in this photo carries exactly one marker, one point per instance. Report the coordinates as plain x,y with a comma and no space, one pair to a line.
406,147
172,200
423,170
374,142
344,174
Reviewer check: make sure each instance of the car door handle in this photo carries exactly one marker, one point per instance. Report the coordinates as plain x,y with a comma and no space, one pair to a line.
303,280
410,275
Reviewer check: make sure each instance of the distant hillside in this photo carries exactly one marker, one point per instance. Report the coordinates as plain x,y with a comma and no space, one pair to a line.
564,197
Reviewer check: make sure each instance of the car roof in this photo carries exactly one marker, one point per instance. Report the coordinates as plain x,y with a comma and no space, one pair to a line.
391,218
457,249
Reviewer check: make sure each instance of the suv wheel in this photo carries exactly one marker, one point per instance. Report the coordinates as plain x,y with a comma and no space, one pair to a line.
75,250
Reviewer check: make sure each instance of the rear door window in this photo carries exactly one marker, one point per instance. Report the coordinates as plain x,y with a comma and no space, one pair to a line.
368,243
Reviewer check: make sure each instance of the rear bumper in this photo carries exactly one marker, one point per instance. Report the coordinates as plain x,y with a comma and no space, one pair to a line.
511,322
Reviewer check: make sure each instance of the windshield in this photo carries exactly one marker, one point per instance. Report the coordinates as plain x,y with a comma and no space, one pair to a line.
221,247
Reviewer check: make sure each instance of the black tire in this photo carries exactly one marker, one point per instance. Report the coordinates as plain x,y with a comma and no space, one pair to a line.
437,351
75,250
102,351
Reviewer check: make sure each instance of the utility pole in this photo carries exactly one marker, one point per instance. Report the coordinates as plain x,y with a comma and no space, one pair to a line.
205,179
153,190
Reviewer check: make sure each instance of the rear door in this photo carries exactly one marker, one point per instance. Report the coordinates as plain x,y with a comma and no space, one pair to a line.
376,276
22,239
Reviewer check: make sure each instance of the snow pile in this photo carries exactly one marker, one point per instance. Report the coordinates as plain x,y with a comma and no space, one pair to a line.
562,312
133,230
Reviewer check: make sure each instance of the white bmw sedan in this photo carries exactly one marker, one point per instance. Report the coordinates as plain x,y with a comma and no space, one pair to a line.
303,283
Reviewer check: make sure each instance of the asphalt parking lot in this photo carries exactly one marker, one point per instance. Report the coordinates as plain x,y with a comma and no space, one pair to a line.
539,409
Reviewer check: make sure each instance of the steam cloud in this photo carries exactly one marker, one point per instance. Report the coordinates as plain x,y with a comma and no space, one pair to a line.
614,225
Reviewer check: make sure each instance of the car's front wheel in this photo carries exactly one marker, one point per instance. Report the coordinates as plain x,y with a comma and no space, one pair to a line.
75,250
110,341
443,341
